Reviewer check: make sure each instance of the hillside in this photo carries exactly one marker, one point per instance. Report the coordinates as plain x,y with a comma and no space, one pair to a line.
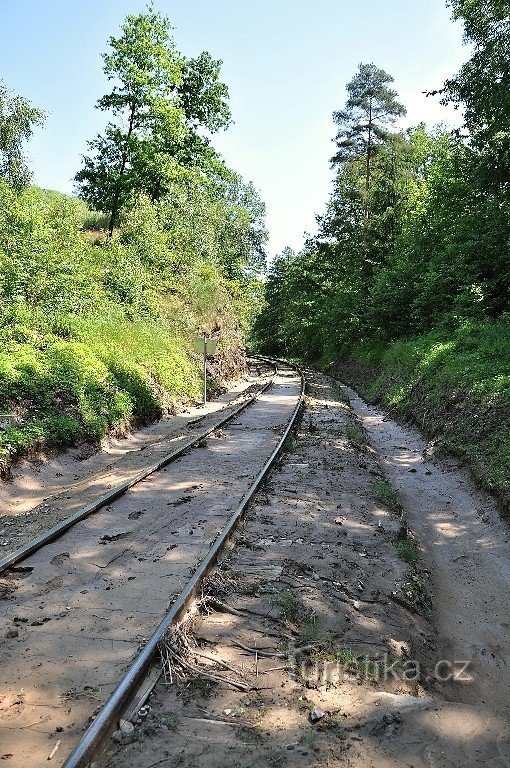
101,296
405,291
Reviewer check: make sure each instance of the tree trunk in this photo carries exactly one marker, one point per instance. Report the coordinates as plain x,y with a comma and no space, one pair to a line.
116,200
367,172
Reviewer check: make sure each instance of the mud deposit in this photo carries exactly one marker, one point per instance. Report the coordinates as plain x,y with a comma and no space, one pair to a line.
321,641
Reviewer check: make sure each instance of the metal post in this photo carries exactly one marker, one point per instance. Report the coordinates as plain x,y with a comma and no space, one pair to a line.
205,369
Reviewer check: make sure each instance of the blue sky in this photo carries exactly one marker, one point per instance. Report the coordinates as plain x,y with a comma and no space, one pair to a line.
286,63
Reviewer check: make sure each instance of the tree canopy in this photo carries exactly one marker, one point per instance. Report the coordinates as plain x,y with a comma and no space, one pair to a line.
428,247
482,86
17,121
371,108
160,103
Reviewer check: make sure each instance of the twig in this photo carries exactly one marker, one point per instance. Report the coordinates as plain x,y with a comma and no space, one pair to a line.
217,661
209,676
260,651
273,669
54,750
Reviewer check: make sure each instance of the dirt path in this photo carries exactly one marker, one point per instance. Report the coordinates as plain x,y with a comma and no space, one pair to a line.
75,613
467,548
45,490
311,620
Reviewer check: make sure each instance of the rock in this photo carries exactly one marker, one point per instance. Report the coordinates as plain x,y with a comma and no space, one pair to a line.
316,714
357,605
126,726
12,633
118,737
227,711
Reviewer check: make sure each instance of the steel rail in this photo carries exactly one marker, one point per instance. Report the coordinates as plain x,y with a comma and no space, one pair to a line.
60,528
103,724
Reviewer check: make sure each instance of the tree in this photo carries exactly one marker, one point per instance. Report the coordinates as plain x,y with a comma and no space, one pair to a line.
363,123
482,86
159,101
17,121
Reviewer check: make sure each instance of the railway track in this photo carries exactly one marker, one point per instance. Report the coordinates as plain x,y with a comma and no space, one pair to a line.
83,615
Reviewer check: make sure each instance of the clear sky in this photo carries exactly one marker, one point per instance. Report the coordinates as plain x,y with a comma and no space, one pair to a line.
286,63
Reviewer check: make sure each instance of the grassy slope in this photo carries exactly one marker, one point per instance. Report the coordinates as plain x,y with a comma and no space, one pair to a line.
76,377
112,376
455,386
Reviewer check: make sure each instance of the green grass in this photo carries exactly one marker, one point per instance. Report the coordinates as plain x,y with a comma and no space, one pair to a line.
312,630
358,664
356,435
414,589
288,604
112,373
384,492
171,720
407,550
455,385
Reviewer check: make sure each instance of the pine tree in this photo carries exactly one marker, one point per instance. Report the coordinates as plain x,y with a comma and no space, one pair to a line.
371,108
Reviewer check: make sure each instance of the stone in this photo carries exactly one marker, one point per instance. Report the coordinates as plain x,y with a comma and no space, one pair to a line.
126,726
316,714
12,633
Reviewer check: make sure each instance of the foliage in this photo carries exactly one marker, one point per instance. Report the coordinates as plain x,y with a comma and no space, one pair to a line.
96,336
159,102
482,86
408,288
97,332
17,121
434,253
456,385
370,107
363,123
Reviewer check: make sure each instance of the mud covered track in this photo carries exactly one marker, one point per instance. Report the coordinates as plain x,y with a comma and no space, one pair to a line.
78,610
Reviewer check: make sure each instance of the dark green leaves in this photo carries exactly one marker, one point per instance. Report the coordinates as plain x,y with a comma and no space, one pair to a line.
370,109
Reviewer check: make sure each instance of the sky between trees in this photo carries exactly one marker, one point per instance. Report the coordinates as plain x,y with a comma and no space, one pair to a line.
286,65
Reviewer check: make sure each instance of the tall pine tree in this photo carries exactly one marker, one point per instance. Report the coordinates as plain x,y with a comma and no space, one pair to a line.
371,108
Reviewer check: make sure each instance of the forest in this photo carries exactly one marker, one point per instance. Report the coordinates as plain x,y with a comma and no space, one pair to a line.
405,291
102,294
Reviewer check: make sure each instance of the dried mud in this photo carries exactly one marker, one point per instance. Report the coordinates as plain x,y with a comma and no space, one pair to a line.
306,613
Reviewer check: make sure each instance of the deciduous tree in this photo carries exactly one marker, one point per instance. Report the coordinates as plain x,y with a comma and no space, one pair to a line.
482,86
17,121
158,102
